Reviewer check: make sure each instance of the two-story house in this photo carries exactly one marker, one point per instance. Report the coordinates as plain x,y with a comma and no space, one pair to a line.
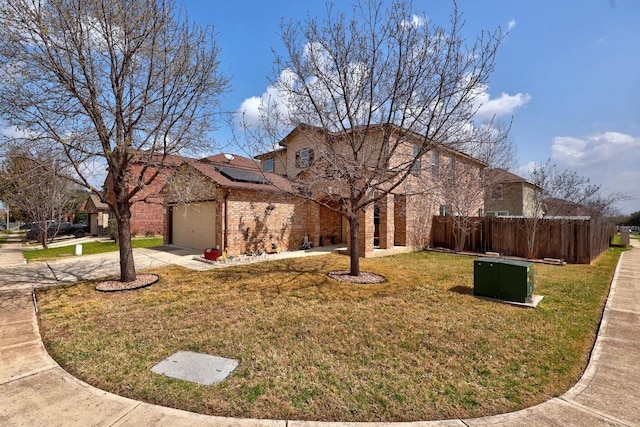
508,194
402,218
247,205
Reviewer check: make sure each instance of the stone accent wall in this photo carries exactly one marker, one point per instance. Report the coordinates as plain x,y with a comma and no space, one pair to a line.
419,213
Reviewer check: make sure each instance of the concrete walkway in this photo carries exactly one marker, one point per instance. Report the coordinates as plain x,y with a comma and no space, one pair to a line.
34,390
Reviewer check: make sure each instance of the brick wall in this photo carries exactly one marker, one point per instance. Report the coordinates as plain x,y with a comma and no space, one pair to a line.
330,225
148,205
256,219
147,211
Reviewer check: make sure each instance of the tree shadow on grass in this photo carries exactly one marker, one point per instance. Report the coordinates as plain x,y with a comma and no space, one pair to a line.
291,276
463,290
280,276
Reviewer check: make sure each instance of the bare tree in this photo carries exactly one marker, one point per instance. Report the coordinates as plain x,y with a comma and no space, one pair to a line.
37,184
564,193
492,144
462,191
110,82
463,185
378,90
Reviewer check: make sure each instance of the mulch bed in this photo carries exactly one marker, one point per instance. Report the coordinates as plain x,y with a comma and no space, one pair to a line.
364,278
142,281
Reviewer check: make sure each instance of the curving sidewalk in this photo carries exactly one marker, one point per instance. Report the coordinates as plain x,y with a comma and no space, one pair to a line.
34,390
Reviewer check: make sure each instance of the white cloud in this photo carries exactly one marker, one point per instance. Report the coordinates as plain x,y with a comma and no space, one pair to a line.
609,159
600,42
526,169
282,96
504,105
568,149
252,109
13,132
597,149
415,22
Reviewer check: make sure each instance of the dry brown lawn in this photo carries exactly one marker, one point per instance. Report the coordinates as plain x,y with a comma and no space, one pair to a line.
418,347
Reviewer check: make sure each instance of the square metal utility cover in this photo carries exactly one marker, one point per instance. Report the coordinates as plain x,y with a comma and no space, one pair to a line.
199,368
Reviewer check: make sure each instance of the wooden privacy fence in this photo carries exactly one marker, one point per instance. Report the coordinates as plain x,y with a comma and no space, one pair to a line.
577,241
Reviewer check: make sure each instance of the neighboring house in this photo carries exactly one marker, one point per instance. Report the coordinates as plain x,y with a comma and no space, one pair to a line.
147,210
564,208
98,213
402,218
508,194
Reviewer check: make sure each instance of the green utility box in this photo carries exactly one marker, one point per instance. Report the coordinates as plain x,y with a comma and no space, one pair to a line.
504,279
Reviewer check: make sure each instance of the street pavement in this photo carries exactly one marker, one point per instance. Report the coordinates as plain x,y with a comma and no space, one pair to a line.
34,390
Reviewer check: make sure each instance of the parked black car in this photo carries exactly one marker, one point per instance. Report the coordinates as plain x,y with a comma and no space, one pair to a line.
57,229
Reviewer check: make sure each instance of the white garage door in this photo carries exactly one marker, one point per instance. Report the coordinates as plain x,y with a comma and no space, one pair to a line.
194,225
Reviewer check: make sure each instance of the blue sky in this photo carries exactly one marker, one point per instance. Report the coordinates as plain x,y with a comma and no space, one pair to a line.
568,73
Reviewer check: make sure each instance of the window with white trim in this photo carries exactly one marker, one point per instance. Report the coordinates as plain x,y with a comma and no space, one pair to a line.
492,214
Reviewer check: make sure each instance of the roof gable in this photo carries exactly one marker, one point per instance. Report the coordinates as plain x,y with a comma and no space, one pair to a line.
233,177
502,176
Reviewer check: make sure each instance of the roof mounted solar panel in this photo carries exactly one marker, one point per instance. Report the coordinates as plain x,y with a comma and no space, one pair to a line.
242,175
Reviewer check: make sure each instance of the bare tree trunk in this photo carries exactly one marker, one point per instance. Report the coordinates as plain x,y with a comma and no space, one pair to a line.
460,236
354,253
127,265
42,236
532,235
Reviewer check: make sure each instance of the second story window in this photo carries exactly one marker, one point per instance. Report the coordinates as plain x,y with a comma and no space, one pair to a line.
417,166
496,192
434,165
269,165
452,168
304,158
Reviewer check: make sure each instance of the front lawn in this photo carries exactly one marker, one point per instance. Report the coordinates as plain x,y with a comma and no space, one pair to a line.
88,248
418,347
